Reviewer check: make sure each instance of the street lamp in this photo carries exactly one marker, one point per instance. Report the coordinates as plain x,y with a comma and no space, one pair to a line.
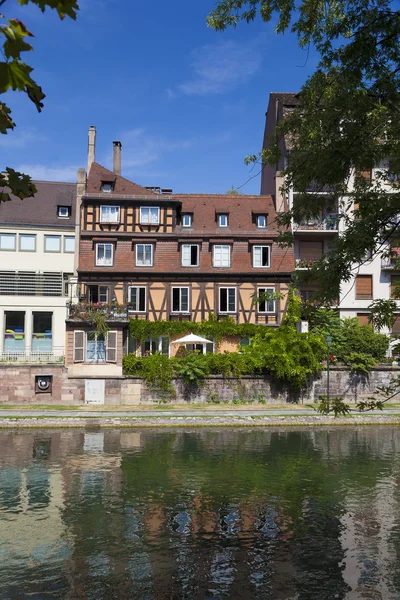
328,341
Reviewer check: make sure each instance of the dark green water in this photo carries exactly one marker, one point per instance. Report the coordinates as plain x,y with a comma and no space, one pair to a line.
200,514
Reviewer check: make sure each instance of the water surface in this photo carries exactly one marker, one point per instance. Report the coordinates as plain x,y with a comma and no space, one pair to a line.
200,514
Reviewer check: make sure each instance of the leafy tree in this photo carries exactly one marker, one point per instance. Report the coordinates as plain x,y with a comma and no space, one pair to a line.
16,75
346,122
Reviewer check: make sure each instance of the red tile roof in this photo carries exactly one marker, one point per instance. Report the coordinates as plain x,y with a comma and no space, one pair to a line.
98,174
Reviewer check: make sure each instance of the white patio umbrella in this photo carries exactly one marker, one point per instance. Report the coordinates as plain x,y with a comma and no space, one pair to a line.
191,338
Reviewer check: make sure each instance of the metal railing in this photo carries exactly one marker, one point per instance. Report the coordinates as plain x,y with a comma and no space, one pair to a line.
306,263
327,223
390,263
33,357
86,311
29,283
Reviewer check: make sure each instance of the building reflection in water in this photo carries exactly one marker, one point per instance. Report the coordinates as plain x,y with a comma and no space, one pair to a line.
200,514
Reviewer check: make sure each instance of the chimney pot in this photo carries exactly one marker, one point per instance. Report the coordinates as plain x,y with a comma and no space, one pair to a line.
117,157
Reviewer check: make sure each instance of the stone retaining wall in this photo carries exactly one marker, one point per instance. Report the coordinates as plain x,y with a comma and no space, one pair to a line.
17,385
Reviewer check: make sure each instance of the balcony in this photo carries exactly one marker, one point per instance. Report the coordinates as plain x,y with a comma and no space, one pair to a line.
306,263
55,356
390,263
84,311
326,223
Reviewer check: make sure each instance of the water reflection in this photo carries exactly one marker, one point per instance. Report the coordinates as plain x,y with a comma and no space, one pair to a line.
201,514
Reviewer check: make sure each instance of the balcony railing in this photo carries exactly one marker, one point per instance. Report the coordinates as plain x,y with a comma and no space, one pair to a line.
327,223
306,263
83,311
55,356
390,264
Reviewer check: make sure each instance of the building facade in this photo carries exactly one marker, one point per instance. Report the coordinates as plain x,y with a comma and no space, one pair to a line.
374,278
147,253
37,244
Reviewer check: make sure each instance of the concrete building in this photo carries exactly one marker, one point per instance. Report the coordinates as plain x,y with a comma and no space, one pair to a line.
37,244
374,278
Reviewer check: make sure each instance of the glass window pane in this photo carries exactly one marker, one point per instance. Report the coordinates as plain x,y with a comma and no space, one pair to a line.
42,336
52,243
69,244
7,241
14,336
27,242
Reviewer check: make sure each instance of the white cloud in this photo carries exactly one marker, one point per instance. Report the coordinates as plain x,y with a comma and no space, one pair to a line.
47,173
221,67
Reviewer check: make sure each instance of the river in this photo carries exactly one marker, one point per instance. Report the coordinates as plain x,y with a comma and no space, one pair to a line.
200,514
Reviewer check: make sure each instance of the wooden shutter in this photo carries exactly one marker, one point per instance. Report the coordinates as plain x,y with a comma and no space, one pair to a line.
310,250
366,174
79,346
396,326
363,318
364,287
111,347
394,282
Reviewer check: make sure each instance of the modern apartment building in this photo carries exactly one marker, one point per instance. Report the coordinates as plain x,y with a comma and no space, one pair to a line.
165,256
373,279
37,242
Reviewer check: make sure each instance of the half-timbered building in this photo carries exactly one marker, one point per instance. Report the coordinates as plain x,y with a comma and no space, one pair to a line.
147,253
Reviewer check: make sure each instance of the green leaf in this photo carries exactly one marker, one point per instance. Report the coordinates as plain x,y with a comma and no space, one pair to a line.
15,43
5,120
16,183
15,75
64,8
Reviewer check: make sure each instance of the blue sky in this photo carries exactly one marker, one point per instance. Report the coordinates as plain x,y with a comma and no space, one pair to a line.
187,103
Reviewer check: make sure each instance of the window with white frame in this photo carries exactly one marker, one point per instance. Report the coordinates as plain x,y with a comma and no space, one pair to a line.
104,255
149,215
69,243
109,214
27,242
261,221
144,255
52,243
221,256
261,256
186,220
137,298
153,345
106,186
180,299
190,255
7,241
266,300
63,212
222,220
97,293
227,300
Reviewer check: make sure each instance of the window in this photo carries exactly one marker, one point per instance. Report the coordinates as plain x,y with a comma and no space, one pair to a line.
144,255
266,302
106,186
68,286
222,220
27,242
190,255
363,287
63,212
104,255
149,215
42,336
261,221
180,299
7,241
97,293
69,243
14,336
52,243
222,256
227,300
153,345
186,220
261,256
137,298
109,214
95,347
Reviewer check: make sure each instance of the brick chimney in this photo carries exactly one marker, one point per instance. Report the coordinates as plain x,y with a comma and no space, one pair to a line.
117,158
91,146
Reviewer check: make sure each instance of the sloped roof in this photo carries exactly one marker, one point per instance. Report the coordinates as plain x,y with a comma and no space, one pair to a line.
241,210
41,209
98,174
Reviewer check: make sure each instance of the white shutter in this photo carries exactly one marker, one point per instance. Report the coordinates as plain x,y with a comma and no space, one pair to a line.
186,255
111,347
225,256
79,346
257,256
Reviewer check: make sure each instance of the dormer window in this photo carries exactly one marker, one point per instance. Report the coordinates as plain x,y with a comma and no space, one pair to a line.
109,214
149,215
63,212
106,186
222,220
261,221
186,220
